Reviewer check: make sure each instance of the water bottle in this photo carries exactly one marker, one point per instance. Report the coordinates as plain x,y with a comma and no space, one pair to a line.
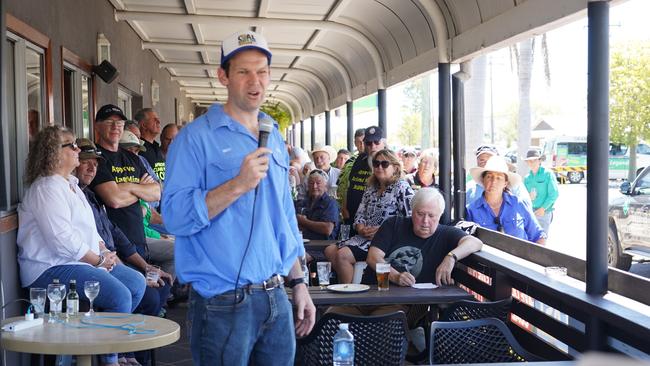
72,300
343,347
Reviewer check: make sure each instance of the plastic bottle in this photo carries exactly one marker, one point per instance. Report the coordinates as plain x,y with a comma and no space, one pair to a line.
72,300
343,354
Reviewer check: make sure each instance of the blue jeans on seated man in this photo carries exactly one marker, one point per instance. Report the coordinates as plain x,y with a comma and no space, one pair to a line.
258,330
120,290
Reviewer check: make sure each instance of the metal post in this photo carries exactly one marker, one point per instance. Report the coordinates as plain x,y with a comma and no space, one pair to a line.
328,132
597,160
312,133
381,106
302,135
458,117
444,137
350,134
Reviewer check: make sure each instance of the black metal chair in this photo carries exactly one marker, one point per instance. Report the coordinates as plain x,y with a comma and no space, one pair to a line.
378,340
471,310
476,341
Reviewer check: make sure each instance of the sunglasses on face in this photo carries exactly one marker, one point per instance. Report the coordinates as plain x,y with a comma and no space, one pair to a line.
372,142
381,163
72,145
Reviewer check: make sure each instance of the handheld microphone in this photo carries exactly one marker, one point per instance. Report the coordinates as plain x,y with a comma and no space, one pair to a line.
266,126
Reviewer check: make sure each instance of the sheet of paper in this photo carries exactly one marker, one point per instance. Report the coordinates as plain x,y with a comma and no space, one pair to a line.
424,286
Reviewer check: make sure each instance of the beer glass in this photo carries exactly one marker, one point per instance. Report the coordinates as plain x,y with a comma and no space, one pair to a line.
382,270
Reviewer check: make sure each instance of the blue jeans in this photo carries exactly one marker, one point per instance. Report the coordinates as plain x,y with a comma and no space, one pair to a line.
545,221
120,290
258,330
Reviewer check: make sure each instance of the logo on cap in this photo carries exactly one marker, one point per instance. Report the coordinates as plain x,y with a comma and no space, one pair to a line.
246,39
371,131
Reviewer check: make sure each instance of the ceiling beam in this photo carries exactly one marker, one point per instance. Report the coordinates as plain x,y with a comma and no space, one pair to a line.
278,94
273,22
340,67
441,36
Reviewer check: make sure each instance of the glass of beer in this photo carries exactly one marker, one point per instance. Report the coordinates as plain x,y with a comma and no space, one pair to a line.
382,270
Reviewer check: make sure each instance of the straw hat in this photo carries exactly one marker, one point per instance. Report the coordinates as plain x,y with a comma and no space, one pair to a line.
495,164
323,148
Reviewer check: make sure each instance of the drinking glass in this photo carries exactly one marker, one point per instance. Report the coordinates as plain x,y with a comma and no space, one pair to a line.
56,294
91,289
344,232
37,297
323,269
153,273
382,270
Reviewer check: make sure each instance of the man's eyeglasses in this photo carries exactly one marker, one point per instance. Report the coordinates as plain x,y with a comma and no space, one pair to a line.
114,123
383,163
497,221
72,145
372,142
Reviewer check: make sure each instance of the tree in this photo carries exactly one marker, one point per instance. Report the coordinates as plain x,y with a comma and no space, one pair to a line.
278,113
629,102
411,132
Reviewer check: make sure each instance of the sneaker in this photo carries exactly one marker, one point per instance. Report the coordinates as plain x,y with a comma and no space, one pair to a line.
417,338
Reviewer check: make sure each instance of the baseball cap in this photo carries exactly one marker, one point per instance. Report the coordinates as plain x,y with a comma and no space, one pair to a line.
243,40
129,139
487,148
88,149
109,110
373,133
409,151
533,154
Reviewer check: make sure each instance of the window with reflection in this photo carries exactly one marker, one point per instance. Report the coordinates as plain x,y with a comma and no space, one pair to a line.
77,99
25,80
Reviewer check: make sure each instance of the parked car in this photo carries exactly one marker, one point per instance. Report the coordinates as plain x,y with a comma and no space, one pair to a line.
629,222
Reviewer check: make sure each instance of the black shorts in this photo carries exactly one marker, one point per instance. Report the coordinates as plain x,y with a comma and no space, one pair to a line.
359,254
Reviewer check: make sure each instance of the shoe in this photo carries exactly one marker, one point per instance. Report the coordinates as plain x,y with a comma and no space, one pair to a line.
417,338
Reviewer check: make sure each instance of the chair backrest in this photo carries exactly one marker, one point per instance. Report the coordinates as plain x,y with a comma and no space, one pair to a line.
471,310
378,340
476,341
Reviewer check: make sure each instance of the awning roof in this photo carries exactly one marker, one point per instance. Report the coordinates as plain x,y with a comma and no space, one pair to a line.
327,52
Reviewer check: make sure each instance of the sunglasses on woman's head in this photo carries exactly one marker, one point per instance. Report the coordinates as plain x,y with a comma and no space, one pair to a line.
383,163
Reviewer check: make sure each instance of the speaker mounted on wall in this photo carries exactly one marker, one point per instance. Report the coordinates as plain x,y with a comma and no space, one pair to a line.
106,71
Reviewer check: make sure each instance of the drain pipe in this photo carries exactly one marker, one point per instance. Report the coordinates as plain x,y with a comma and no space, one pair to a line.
458,132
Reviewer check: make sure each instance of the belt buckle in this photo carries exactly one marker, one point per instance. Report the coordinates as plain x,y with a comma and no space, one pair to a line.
271,283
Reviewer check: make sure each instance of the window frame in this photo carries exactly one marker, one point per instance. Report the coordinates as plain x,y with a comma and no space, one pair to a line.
78,66
25,37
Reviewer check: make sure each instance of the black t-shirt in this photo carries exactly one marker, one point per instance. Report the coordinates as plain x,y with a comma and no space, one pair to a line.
122,167
406,251
155,158
359,175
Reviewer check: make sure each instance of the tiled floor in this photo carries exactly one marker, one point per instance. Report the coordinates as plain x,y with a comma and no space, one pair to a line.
177,354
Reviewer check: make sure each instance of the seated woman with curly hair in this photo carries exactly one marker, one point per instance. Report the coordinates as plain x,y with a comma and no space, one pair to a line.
387,194
57,236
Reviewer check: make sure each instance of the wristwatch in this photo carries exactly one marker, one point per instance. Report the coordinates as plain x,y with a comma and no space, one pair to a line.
451,254
296,281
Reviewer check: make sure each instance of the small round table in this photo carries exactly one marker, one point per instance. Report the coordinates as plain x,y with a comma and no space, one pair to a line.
66,339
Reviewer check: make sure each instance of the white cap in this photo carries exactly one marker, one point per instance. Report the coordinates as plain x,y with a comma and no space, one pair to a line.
243,40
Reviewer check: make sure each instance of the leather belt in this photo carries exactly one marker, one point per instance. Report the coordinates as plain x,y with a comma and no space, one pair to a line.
272,282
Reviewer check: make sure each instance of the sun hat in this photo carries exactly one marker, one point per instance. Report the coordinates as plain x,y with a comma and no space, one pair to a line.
495,164
323,148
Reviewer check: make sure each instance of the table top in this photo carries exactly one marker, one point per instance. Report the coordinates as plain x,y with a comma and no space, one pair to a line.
395,295
318,244
70,338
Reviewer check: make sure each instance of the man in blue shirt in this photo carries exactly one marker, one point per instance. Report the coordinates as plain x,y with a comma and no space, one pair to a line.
229,204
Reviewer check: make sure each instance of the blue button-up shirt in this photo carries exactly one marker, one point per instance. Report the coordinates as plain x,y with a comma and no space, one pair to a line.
516,217
206,154
324,209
